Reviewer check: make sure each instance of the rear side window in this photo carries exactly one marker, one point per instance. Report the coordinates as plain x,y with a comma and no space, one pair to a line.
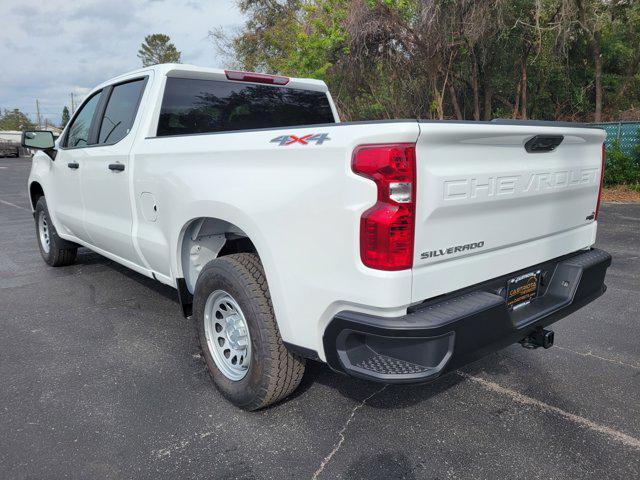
121,111
205,106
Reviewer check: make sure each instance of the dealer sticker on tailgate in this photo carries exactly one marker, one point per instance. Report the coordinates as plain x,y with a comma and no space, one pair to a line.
521,289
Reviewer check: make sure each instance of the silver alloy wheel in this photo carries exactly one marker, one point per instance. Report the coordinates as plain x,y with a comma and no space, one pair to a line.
43,231
227,333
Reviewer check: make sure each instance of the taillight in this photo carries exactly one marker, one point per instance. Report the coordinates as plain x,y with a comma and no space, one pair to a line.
256,77
387,228
601,180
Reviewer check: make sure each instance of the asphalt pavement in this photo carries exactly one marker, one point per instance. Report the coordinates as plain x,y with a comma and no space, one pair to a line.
100,377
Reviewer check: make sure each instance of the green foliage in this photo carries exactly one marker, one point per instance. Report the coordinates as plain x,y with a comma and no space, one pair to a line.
444,43
157,48
407,9
621,168
466,59
15,120
65,117
322,43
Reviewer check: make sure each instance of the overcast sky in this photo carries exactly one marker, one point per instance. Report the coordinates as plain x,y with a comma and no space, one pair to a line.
51,48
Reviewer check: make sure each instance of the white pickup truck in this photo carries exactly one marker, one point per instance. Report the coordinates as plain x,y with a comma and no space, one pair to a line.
394,251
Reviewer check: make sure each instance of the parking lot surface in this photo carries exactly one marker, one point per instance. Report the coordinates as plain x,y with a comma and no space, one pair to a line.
100,377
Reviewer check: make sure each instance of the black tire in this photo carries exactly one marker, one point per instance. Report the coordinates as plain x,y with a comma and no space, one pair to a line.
61,252
273,372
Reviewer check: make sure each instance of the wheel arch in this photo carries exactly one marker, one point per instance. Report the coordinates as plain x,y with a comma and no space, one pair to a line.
243,233
203,239
35,192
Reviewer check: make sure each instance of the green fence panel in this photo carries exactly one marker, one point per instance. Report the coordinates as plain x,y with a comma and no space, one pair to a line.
627,133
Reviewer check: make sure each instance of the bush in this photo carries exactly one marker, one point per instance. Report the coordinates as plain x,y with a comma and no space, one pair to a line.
621,168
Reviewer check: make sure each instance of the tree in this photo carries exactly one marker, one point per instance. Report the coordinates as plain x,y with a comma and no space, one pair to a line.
621,52
585,20
157,48
576,60
65,117
15,120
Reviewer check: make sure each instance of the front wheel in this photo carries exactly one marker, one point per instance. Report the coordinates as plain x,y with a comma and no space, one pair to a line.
55,251
239,336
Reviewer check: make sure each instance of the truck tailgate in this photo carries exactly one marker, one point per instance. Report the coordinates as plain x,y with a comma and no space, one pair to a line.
486,206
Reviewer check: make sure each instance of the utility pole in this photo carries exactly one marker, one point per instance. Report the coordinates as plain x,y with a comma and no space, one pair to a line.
73,105
38,113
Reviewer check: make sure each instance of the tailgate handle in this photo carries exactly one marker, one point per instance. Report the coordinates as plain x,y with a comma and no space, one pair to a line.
543,143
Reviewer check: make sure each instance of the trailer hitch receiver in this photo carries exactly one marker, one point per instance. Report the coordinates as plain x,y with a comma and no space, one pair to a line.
540,337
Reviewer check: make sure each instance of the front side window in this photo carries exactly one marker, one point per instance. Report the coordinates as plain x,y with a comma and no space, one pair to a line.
121,111
205,106
78,135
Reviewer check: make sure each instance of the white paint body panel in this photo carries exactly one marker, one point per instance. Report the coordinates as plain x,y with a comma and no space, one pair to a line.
477,183
301,205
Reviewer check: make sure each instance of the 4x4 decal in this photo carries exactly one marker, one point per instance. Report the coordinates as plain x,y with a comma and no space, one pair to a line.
318,138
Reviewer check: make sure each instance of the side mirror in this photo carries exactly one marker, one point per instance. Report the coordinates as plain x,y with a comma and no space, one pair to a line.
38,139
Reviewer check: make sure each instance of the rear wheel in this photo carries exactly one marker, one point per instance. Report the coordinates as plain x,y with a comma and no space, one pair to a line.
239,336
55,251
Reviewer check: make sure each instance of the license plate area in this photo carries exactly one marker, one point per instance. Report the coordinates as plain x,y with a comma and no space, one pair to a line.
522,289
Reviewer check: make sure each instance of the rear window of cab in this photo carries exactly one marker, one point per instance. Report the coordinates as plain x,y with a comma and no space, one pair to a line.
205,106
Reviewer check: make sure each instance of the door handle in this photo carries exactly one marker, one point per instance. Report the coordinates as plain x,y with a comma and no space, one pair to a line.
73,165
116,167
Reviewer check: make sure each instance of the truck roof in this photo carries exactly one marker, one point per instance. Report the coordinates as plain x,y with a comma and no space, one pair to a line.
192,71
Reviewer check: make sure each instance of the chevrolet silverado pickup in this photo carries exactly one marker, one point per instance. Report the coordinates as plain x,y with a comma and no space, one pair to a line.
394,251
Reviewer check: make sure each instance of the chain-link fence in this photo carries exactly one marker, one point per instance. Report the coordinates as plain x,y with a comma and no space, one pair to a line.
623,163
627,133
